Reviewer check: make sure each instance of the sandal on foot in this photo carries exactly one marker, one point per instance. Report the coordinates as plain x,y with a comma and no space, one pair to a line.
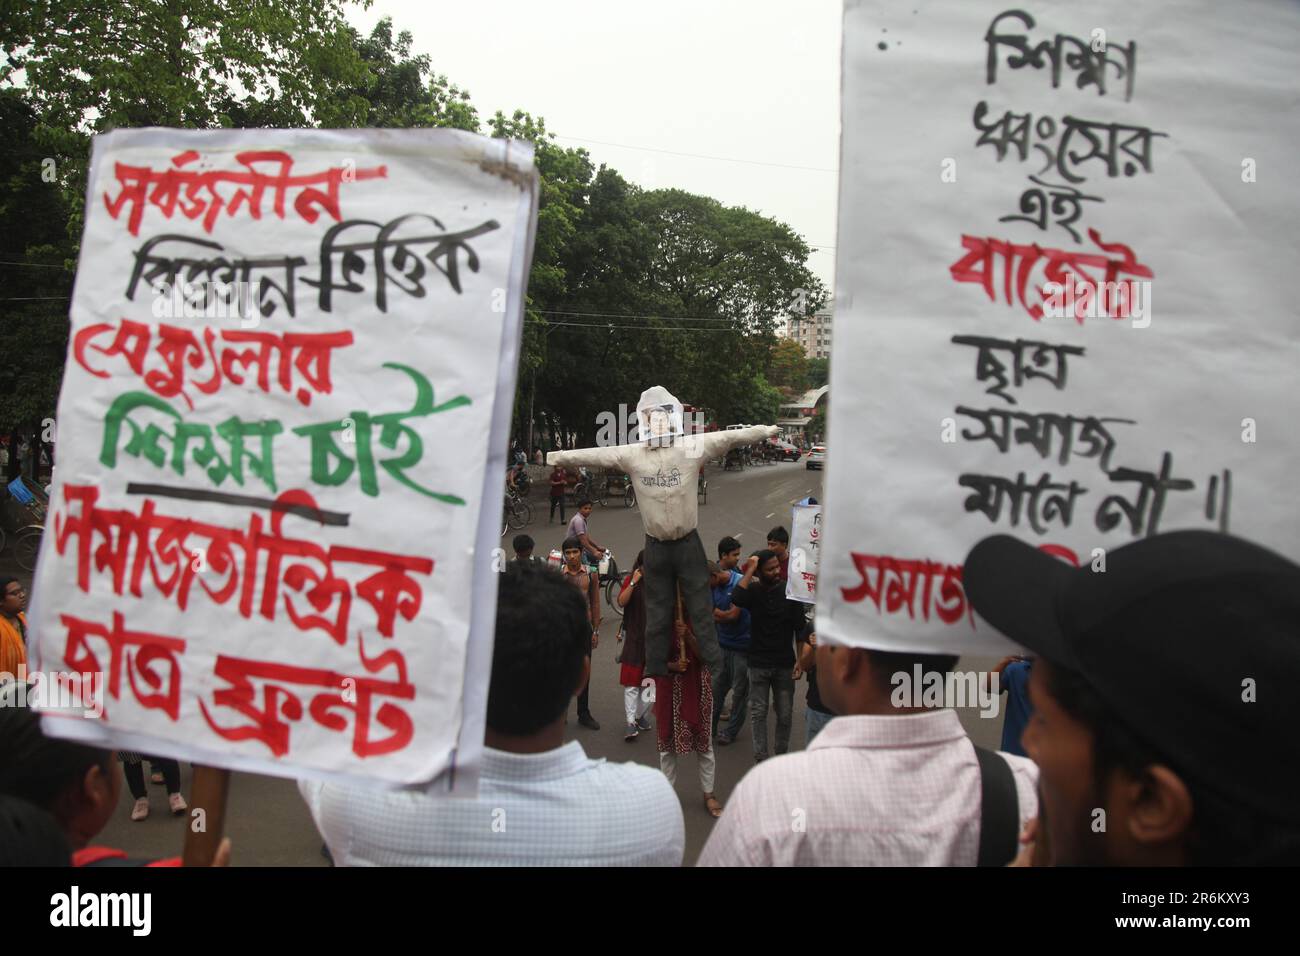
711,804
140,810
177,804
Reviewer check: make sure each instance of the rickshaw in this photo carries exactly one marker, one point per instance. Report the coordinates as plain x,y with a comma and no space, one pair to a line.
22,513
579,485
614,485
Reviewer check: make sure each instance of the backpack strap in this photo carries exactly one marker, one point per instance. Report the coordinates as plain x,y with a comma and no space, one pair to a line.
999,810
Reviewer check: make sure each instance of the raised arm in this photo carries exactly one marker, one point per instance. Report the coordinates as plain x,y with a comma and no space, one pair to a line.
713,444
607,457
730,614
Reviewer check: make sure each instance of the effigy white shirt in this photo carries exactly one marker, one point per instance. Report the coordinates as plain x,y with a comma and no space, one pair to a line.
664,476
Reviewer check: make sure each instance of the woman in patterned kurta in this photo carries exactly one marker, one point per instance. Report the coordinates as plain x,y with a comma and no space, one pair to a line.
684,713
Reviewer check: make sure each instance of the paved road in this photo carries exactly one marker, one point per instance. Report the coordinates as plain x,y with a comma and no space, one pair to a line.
270,826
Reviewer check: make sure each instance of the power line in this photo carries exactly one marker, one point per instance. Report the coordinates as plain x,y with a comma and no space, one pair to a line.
590,325
637,315
585,325
634,315
29,265
633,328
719,159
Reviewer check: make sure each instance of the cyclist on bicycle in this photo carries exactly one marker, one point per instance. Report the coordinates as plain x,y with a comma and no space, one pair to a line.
591,551
516,479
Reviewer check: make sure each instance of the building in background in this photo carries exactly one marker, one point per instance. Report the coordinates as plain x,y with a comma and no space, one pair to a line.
796,415
813,333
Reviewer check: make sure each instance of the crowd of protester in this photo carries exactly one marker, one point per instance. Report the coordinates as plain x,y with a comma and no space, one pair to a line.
1151,723
1141,730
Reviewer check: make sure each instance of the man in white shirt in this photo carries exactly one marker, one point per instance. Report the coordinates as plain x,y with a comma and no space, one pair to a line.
879,786
541,802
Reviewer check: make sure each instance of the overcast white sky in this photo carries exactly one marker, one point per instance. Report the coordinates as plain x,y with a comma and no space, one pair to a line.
754,80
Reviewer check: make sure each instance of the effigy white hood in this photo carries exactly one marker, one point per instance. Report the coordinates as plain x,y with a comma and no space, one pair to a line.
656,397
664,471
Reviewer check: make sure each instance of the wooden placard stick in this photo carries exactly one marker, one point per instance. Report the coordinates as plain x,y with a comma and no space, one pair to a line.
681,619
208,795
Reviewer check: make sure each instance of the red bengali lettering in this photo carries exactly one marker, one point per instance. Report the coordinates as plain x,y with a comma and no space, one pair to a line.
1061,267
196,193
136,652
336,698
898,583
137,547
296,363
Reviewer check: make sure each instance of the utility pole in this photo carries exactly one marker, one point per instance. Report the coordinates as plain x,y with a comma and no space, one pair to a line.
532,394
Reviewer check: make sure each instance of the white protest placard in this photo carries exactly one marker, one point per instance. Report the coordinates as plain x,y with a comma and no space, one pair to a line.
282,430
805,551
1067,238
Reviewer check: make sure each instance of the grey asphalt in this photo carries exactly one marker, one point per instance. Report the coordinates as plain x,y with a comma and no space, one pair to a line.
270,826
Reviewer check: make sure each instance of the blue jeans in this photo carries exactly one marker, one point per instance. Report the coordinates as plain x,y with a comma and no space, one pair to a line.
779,681
816,720
733,675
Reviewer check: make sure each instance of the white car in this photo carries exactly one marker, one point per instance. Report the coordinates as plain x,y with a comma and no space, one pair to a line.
816,458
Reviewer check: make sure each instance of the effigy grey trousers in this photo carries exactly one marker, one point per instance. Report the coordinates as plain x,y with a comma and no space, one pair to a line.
666,563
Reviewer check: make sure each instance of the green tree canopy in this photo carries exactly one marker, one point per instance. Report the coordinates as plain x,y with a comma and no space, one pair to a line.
788,365
628,288
400,90
35,274
817,427
819,372
656,287
93,65
760,404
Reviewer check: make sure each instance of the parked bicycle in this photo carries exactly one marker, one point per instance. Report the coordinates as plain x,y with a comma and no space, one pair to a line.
611,582
27,546
517,513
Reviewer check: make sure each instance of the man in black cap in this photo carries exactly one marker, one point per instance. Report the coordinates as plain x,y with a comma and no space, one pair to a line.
1164,694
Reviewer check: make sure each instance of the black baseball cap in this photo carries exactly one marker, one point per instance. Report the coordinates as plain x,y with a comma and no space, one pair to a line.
1192,639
